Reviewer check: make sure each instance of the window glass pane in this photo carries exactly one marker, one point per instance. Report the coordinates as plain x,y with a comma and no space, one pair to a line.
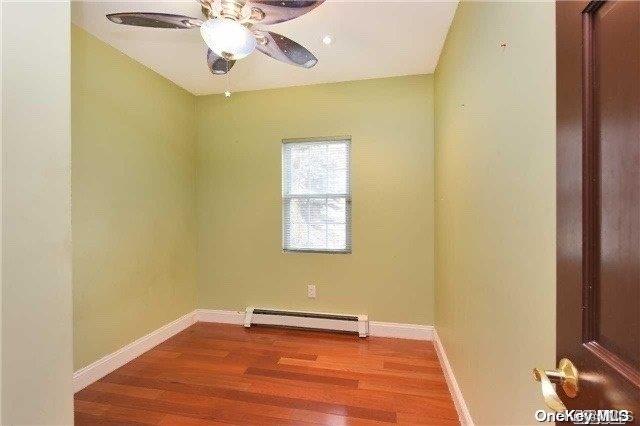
317,210
298,210
336,210
336,169
317,235
308,170
336,236
298,236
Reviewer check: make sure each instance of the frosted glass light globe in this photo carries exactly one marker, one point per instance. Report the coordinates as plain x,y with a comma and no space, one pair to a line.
228,38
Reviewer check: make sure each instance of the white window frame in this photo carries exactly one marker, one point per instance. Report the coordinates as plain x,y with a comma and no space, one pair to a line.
348,209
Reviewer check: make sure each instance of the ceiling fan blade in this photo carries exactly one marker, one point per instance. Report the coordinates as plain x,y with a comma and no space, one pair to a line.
218,65
284,49
154,20
283,10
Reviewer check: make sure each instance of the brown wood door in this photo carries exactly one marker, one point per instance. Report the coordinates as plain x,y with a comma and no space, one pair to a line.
598,200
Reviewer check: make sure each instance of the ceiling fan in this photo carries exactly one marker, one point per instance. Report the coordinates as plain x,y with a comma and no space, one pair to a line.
231,29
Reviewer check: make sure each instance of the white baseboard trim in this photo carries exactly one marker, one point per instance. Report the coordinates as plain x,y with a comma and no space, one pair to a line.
452,383
221,316
376,328
105,365
400,331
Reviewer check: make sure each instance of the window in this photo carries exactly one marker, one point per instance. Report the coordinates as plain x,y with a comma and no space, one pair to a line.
316,195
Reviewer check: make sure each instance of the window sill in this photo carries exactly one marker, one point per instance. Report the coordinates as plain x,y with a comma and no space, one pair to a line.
294,251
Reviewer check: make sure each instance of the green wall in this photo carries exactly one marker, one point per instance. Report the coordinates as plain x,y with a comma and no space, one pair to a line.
133,190
390,273
495,205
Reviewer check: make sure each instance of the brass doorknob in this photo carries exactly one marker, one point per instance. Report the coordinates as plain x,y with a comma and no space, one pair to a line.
566,375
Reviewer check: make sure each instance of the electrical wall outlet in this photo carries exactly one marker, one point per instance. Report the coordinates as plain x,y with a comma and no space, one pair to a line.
311,291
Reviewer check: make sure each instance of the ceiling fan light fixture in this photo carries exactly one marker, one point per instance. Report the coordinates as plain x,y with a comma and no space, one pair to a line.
227,38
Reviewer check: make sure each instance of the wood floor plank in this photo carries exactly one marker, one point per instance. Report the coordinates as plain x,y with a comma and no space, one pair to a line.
213,374
175,420
82,419
352,366
126,414
235,410
105,386
400,366
302,377
381,376
436,404
376,400
306,403
91,408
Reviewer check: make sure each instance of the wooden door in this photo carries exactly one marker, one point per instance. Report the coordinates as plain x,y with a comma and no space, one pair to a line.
598,201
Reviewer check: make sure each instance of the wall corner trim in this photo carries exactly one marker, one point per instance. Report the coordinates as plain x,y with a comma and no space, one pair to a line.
105,365
452,383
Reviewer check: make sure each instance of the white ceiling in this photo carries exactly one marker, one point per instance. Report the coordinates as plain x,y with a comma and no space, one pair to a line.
371,39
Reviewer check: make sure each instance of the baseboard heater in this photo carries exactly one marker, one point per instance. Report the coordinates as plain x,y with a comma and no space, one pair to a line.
310,320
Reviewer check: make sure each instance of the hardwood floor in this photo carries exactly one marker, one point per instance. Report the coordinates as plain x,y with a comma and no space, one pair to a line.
226,374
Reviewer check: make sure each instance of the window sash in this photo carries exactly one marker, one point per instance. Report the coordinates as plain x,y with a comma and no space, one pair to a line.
322,225
345,223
